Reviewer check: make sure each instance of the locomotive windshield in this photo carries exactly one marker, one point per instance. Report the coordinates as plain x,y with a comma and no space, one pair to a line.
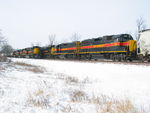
127,37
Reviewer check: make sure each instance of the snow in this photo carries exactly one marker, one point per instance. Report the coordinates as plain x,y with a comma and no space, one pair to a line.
21,89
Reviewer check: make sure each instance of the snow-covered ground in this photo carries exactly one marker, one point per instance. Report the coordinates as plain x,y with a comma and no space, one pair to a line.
23,90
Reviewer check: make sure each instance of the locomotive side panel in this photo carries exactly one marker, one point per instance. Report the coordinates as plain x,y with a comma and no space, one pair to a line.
67,50
109,47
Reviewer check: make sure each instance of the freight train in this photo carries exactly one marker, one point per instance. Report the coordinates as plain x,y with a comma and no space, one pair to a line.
120,47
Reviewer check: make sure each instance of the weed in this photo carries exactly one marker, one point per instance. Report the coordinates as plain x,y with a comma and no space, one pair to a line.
78,96
23,64
30,67
38,99
3,59
105,104
60,76
36,70
2,68
71,80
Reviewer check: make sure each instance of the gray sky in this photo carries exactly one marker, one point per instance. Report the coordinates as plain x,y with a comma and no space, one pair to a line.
30,21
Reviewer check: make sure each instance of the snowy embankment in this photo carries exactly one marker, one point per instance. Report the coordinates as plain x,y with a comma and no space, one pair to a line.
59,85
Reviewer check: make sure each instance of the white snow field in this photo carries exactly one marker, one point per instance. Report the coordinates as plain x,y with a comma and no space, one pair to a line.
57,86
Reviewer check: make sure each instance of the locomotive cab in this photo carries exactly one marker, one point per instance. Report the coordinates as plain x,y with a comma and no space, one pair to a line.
36,52
127,40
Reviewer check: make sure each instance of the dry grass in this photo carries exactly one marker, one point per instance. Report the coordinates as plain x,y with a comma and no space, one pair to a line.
105,104
30,67
2,68
86,80
102,103
67,109
38,99
78,96
3,59
60,76
23,64
74,80
36,70
68,79
71,80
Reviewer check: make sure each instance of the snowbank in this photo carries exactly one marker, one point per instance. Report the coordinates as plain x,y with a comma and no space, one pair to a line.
68,86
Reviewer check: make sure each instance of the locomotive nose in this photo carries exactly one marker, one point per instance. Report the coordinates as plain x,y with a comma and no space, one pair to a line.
132,45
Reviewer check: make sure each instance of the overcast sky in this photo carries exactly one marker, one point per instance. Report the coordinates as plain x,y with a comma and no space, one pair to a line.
30,21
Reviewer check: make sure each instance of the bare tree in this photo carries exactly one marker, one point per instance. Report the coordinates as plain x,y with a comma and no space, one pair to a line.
52,39
64,40
36,44
32,44
2,39
7,49
140,26
75,37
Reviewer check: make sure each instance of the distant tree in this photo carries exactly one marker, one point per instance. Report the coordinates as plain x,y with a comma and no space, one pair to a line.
36,44
140,26
7,49
2,39
75,37
32,44
52,40
64,40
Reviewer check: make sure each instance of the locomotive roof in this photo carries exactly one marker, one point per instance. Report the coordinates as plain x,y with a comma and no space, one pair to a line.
36,46
145,30
106,36
68,43
87,40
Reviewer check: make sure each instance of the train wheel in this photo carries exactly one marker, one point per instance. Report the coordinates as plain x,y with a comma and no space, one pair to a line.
129,59
122,57
119,58
114,58
89,57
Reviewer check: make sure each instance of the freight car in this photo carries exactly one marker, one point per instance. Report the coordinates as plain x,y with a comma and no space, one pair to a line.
144,45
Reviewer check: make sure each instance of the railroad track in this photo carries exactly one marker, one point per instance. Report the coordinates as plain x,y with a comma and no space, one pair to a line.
134,62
